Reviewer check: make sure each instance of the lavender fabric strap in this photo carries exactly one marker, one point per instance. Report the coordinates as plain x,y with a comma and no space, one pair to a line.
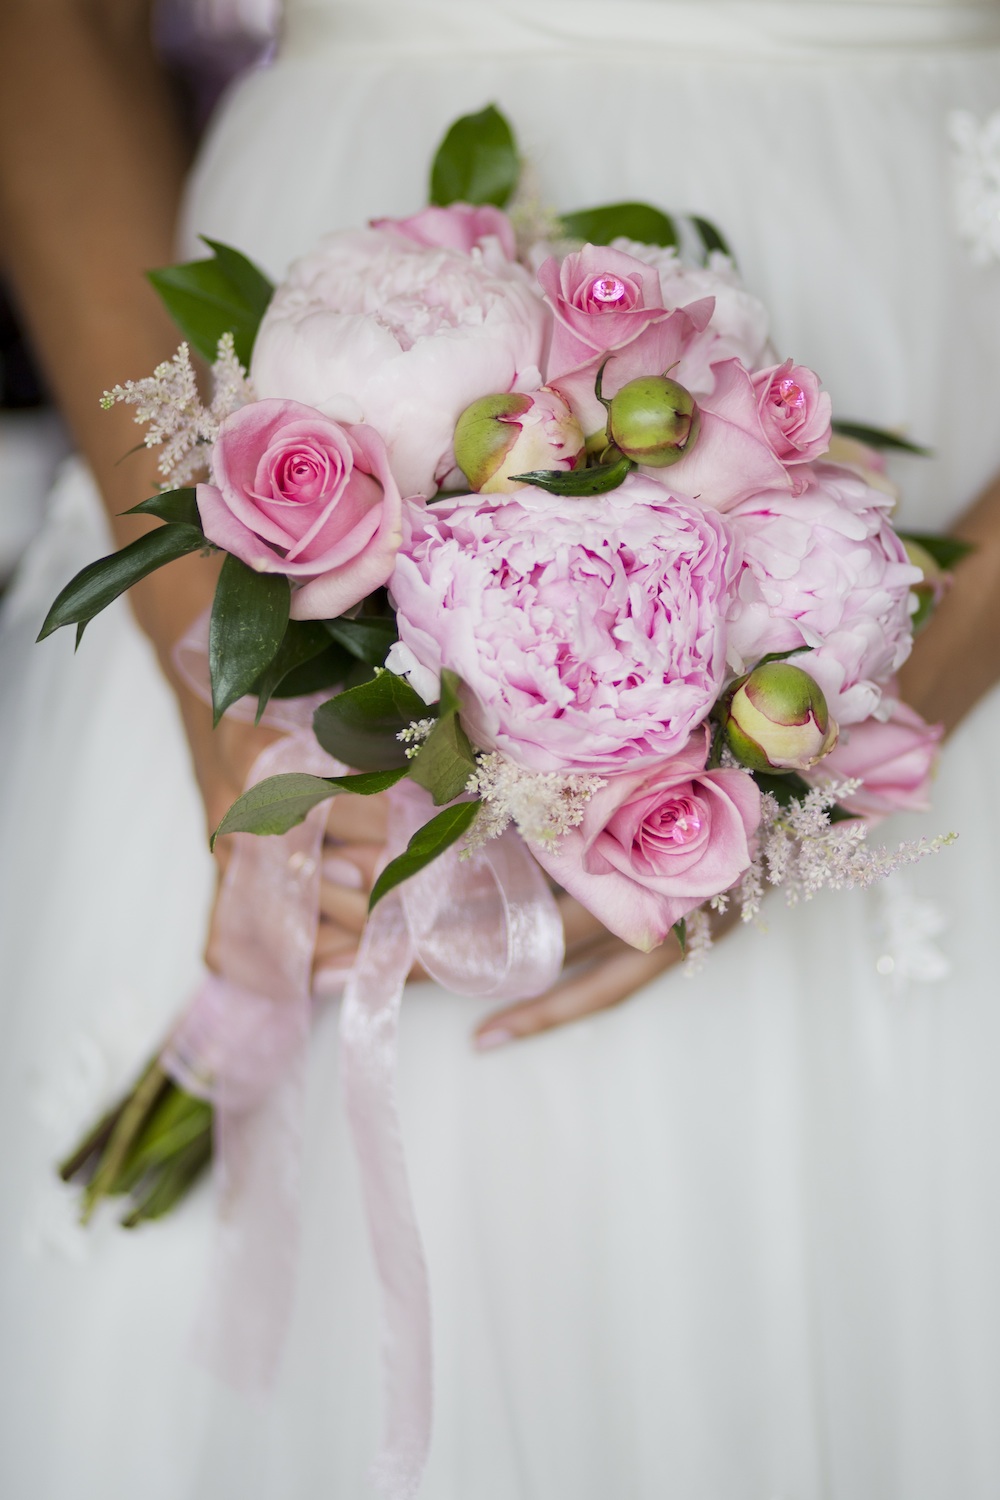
483,926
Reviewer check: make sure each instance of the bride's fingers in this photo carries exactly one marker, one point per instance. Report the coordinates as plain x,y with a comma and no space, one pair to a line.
581,929
357,820
614,975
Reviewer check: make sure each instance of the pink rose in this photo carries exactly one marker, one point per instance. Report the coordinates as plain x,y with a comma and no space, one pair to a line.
825,569
732,459
794,412
589,633
372,327
602,299
737,328
656,842
461,226
895,759
298,494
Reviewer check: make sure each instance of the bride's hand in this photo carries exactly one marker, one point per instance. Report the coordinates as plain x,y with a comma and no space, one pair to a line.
602,970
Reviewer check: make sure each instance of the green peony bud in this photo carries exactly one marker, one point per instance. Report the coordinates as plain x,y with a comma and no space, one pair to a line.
653,420
498,436
776,719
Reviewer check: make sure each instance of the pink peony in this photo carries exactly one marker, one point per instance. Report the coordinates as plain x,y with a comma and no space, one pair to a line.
296,493
825,569
372,327
461,226
589,633
895,759
654,843
794,412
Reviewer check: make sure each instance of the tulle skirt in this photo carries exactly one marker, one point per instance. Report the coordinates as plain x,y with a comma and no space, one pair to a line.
734,1240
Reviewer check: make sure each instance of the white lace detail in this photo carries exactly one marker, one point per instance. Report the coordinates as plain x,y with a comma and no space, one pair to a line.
976,147
907,925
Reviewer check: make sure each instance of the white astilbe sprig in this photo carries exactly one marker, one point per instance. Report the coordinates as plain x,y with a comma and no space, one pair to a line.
697,941
414,734
802,851
542,805
538,229
169,405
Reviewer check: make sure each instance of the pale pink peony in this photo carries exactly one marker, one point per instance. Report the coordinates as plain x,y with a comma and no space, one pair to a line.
825,569
894,758
656,842
298,494
795,414
461,226
588,633
372,327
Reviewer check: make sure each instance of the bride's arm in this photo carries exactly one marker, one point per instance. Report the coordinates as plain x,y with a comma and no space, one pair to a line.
92,161
957,658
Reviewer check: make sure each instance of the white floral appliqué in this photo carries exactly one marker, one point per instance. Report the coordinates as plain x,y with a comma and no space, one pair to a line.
976,146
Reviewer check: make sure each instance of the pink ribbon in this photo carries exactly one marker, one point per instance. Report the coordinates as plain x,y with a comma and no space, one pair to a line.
484,926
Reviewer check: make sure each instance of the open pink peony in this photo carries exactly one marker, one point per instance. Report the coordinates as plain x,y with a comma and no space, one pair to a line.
374,327
298,494
589,634
825,569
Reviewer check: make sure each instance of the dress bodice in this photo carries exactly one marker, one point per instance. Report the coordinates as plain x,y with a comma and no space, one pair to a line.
738,26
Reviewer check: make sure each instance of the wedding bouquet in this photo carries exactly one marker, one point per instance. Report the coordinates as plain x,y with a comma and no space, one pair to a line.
530,520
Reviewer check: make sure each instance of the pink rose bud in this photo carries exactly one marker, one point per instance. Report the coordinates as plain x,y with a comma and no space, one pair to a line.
793,411
931,589
653,420
499,436
777,719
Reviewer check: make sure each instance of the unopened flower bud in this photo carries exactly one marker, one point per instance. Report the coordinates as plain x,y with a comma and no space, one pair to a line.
653,420
777,719
514,433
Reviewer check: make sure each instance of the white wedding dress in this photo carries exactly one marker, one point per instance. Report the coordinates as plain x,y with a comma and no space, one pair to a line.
737,1239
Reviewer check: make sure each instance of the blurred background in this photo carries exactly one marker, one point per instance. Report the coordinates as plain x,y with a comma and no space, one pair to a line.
205,45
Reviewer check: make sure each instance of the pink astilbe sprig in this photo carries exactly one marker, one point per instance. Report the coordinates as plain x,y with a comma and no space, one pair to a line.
802,851
168,404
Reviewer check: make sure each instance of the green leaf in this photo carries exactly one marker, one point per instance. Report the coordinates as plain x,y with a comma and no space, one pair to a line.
333,668
945,550
177,506
359,727
711,238
680,931
303,640
631,221
367,639
879,437
100,583
249,616
278,803
426,844
445,760
207,298
477,162
597,480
